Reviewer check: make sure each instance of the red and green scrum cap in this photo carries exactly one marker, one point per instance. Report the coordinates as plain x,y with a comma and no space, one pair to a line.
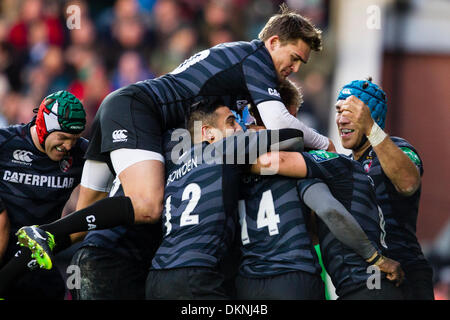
60,111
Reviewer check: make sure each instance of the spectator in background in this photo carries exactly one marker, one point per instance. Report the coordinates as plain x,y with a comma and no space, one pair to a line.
30,11
55,67
4,89
315,95
167,19
37,42
218,21
220,35
10,65
180,46
130,70
85,36
128,33
10,106
121,9
92,84
25,110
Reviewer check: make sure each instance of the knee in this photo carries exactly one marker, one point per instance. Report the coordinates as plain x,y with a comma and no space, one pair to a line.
147,209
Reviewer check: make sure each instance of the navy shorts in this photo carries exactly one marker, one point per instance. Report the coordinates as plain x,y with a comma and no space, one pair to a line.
105,275
418,284
189,283
387,291
296,285
124,120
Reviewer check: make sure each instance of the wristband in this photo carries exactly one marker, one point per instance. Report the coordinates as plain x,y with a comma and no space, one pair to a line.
379,261
376,135
376,259
372,257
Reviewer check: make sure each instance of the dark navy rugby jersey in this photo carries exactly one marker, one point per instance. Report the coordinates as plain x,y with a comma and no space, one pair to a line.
399,211
138,242
201,199
274,237
237,71
33,187
350,185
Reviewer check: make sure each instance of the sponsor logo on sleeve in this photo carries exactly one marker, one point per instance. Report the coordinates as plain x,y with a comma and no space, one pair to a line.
411,155
321,156
119,135
273,92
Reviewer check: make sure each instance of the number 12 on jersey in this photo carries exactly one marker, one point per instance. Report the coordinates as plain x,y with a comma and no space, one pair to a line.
192,192
266,216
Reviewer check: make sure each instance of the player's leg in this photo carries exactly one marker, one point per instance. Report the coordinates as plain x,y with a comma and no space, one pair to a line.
105,275
143,183
418,284
168,284
386,291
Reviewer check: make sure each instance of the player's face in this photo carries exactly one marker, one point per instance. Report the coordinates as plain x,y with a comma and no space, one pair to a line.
225,124
58,144
288,57
350,136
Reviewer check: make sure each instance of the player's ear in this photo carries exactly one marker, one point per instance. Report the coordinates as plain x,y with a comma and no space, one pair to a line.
273,42
207,134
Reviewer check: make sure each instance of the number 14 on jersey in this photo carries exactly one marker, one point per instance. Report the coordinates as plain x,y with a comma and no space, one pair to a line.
266,217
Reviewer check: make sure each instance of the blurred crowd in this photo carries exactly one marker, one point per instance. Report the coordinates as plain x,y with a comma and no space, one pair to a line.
92,48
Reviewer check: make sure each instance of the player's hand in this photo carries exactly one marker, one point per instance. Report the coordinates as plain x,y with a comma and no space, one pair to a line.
358,113
392,269
331,147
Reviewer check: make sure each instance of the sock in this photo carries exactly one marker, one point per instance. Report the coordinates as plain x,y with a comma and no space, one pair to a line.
17,266
103,214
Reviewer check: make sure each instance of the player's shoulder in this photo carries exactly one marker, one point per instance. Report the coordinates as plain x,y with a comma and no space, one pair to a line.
247,46
405,145
8,133
408,149
82,144
401,142
241,51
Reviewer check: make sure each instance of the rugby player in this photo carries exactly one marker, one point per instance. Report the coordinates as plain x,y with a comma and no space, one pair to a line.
396,169
40,166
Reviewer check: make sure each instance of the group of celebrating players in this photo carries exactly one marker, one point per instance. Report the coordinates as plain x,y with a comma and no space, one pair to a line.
242,211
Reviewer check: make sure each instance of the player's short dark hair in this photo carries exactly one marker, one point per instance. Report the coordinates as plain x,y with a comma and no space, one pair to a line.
203,111
290,94
290,26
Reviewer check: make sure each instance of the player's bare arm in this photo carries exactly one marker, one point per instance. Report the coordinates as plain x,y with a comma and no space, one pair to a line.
290,164
399,168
